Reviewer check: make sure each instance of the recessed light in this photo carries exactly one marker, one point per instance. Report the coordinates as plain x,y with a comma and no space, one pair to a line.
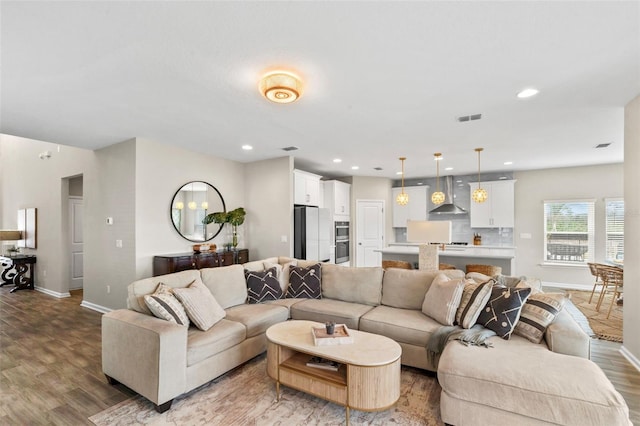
508,163
502,177
527,93
337,160
419,183
354,167
398,173
448,168
459,181
247,147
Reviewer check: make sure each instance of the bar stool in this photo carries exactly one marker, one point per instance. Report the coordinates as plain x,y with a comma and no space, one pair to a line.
489,270
401,264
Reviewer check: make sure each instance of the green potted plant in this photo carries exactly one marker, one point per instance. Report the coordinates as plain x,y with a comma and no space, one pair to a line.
234,217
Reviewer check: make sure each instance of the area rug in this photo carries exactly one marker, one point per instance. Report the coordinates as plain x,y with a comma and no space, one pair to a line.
603,328
247,396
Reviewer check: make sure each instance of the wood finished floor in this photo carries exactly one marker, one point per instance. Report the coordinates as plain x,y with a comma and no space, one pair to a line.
50,363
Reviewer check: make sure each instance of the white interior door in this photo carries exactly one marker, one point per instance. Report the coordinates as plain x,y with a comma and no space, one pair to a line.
369,232
76,240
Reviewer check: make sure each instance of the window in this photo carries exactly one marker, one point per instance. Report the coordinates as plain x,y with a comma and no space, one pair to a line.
569,231
615,229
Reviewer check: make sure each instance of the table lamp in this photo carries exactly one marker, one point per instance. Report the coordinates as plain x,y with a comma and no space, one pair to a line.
430,234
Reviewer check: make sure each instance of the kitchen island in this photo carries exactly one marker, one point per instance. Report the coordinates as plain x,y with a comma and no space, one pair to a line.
457,255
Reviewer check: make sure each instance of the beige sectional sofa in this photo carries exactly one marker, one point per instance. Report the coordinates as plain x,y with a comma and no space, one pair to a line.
515,382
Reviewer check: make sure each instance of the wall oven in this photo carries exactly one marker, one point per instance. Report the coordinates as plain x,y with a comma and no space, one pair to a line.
342,242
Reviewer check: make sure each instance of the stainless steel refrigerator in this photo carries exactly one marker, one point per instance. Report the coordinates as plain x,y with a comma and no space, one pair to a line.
311,232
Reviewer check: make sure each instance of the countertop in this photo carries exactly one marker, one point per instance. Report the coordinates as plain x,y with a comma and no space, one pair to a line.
455,251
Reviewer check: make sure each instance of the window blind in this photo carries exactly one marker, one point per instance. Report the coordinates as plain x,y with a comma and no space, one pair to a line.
615,229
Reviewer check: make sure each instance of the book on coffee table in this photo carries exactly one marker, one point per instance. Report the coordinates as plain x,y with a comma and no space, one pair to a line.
322,363
340,336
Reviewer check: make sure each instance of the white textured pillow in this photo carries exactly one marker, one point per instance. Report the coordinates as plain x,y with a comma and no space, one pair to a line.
202,308
164,305
443,298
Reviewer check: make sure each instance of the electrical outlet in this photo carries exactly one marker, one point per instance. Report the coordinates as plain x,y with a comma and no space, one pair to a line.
108,289
283,238
44,272
119,243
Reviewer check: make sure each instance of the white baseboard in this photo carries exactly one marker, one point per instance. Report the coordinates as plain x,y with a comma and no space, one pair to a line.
94,307
584,287
630,357
52,293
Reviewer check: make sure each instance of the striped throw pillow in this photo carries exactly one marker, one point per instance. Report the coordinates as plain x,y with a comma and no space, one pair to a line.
474,298
539,311
203,309
164,305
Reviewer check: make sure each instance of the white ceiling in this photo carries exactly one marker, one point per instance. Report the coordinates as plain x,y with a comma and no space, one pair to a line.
382,79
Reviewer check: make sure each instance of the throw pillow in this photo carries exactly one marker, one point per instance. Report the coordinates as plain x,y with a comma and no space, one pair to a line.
262,285
305,282
539,311
474,298
164,305
502,311
443,298
202,308
283,272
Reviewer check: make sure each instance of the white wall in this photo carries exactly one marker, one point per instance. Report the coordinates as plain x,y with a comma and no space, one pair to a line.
28,181
536,186
632,229
160,171
269,206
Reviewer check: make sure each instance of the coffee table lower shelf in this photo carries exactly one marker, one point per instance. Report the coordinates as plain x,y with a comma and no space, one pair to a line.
364,388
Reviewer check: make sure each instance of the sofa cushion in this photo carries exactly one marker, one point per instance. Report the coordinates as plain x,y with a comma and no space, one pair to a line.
527,379
474,299
202,308
164,305
405,288
227,284
305,282
257,318
263,285
402,325
287,303
322,310
443,298
502,312
358,285
138,289
222,336
537,313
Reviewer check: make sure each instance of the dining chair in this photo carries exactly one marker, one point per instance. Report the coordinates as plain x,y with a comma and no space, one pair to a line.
593,268
613,278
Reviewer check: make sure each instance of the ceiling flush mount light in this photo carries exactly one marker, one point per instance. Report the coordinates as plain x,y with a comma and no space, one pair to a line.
337,160
479,195
247,147
281,87
527,93
438,196
403,197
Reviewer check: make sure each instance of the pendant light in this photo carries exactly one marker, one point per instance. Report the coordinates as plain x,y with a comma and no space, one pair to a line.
479,195
403,197
438,196
192,204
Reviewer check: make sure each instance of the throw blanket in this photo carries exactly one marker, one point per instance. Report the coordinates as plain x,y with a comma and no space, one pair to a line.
474,336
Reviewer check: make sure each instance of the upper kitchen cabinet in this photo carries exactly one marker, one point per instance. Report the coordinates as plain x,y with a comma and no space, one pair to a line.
416,209
306,188
498,210
337,197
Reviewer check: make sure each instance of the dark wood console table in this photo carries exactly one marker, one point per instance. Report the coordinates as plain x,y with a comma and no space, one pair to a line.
18,270
170,263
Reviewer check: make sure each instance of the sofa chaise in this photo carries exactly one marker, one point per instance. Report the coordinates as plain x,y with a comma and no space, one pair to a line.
515,382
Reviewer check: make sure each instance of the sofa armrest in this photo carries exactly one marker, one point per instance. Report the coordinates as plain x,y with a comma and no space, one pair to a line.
565,336
147,354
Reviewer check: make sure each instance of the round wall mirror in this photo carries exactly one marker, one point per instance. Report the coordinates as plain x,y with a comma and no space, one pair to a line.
190,205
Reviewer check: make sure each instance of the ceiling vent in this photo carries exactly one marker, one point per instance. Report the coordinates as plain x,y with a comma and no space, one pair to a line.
603,145
377,168
290,148
465,118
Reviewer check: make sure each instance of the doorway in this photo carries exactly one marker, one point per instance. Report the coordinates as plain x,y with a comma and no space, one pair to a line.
369,232
75,234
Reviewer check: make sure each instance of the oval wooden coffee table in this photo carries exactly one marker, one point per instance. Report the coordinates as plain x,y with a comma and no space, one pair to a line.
368,378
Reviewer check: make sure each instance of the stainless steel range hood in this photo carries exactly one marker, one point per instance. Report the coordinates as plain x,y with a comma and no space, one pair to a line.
448,207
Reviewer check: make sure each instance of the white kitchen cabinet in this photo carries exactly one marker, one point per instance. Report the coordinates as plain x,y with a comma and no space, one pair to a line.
416,209
337,197
306,188
499,209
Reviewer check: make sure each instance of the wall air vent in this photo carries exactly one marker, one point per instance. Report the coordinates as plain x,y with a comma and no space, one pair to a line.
464,118
290,148
603,145
377,168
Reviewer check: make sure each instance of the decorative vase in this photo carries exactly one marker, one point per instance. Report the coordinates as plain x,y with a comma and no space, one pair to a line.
235,237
